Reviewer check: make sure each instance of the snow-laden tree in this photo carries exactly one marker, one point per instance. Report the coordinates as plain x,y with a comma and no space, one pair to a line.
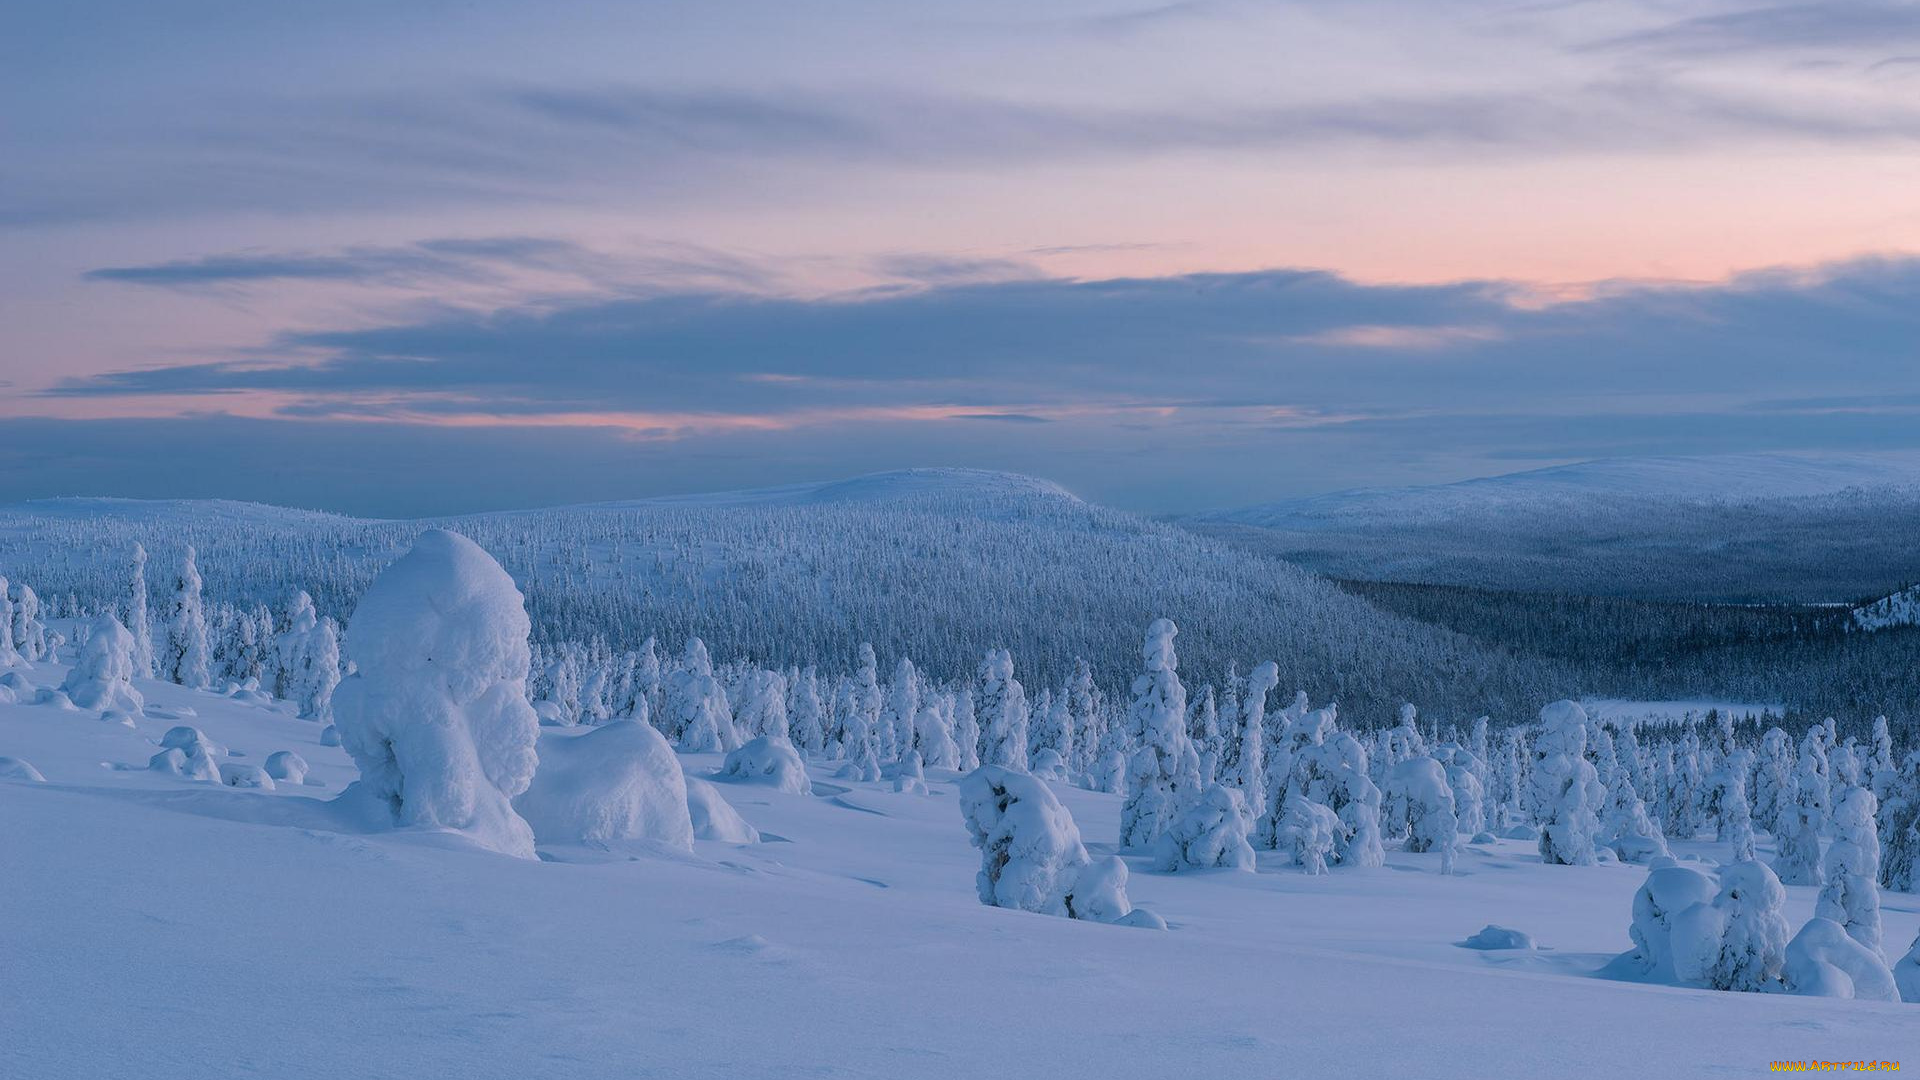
806,716
966,730
290,662
1243,760
1031,857
1289,761
1463,776
1899,828
318,674
1798,841
1052,727
1419,800
1566,790
762,712
1085,702
859,721
1203,730
1773,786
1003,712
1669,890
1627,828
1736,820
1906,973
1850,895
1753,932
1211,834
435,715
1729,936
1881,768
769,760
619,781
138,624
102,675
698,716
900,708
28,629
933,739
9,655
1163,775
188,655
1341,784
1307,831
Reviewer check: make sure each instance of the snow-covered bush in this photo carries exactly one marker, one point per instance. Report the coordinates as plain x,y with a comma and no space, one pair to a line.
1031,857
1567,793
1307,832
1668,890
910,776
618,781
770,761
102,675
1754,930
1632,834
1822,961
436,714
1212,833
1906,971
1499,937
240,774
714,818
188,754
1418,798
1690,932
1163,774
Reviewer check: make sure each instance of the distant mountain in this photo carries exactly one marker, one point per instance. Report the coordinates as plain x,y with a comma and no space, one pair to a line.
934,564
1746,527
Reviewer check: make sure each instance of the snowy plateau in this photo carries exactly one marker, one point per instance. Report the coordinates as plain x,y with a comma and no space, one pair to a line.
926,774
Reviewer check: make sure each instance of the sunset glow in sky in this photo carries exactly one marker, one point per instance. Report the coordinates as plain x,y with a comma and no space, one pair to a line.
405,258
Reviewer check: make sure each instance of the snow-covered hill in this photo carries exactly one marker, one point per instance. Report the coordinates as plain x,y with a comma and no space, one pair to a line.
935,564
168,929
1898,609
1804,527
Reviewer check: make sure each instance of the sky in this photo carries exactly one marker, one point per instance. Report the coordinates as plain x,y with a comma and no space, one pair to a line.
419,258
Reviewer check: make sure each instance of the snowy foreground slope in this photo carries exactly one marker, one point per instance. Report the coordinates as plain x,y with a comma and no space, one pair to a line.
1739,527
164,928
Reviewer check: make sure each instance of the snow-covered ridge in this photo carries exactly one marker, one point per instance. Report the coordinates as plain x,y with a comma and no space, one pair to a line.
1899,609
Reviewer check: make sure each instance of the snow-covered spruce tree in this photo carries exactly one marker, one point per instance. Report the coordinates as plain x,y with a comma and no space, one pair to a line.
1566,791
1736,821
806,718
1627,827
897,713
1681,818
1419,800
1051,728
1404,739
1203,729
189,654
933,737
1899,828
1163,775
762,712
966,730
646,678
102,675
1211,834
1752,931
698,716
1798,862
1307,832
1463,776
1669,890
138,624
1084,701
1288,762
1881,769
436,715
29,631
319,672
1341,784
1243,763
1906,973
1851,894
9,656
290,647
1031,857
1003,713
1844,766
1773,787
860,721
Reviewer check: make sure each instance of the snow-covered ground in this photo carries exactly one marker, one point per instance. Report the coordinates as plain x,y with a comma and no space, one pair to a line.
161,928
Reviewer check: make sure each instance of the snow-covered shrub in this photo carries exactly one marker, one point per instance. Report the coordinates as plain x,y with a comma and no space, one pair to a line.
1307,832
909,776
1754,931
188,754
618,781
436,715
287,766
1632,834
1031,857
1906,971
770,761
1851,893
1499,937
330,736
1099,894
102,675
12,768
863,765
1822,961
1212,833
714,818
1668,890
1163,774
241,774
1567,793
1418,797
1048,766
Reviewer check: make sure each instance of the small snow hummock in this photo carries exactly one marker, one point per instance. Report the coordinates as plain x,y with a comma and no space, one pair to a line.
240,774
619,781
102,676
436,716
1212,833
330,736
12,768
1822,961
769,760
288,766
1031,857
1499,937
714,818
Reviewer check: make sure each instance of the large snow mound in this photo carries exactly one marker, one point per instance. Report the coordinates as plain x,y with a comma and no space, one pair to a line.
618,781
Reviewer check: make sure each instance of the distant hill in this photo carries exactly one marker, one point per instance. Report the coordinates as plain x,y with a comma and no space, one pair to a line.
1805,528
